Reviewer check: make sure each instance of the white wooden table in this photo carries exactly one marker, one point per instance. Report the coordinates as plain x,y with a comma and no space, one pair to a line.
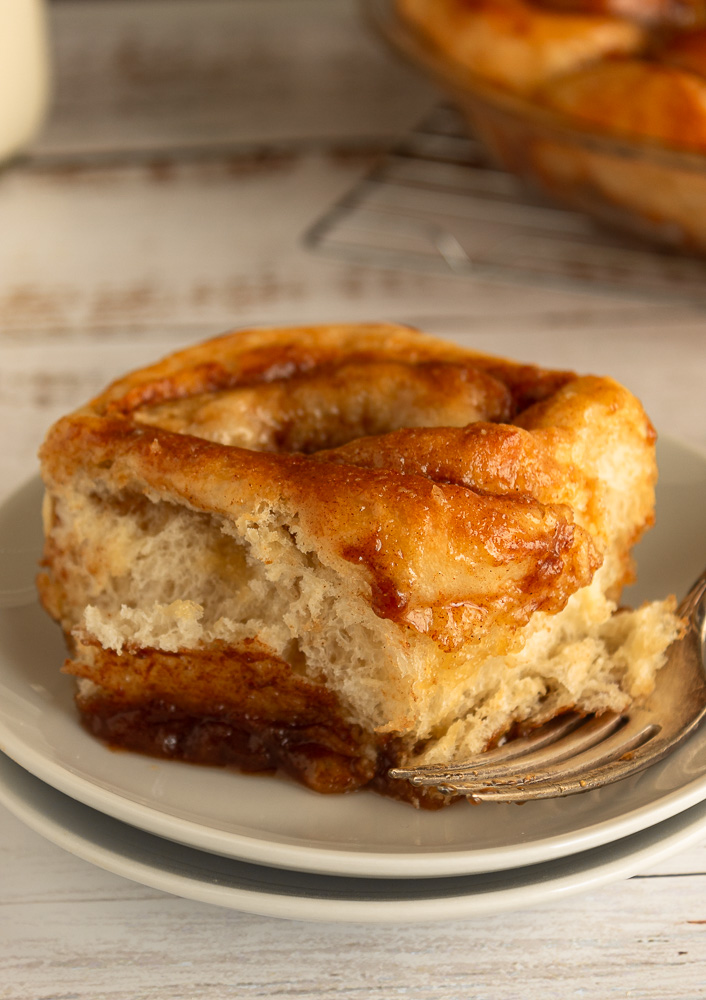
189,147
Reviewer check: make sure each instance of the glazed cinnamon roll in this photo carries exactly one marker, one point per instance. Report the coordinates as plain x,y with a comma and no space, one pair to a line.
634,98
334,549
519,44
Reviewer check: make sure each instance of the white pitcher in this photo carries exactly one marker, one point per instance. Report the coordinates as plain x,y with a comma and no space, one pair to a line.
24,73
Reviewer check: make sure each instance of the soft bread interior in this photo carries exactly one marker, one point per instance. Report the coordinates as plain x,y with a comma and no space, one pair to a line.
165,577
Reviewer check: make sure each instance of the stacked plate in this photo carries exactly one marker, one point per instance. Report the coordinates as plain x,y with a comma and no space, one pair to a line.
266,845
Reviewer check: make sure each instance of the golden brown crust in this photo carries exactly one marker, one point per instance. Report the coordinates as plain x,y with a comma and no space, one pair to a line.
523,547
259,356
360,396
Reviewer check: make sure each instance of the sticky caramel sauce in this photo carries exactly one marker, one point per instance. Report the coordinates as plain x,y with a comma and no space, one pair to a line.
244,709
305,753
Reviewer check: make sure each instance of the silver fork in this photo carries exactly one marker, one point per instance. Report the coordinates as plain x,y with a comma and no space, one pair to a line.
574,753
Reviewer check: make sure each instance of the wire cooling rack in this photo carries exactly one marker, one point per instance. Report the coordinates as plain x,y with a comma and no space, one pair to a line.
437,203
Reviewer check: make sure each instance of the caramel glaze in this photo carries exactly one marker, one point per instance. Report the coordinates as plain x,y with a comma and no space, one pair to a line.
262,356
237,708
159,729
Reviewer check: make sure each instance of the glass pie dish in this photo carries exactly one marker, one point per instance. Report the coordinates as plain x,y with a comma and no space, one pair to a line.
633,184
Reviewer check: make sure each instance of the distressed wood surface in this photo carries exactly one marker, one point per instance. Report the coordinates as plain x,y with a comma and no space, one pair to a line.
206,75
190,146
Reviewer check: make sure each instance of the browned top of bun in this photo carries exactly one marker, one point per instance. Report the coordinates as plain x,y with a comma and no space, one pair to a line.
462,488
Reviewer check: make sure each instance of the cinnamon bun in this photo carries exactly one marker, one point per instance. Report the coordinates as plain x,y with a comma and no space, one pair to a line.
334,549
633,98
519,44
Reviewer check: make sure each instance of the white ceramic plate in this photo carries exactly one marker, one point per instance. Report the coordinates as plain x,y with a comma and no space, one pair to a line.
272,821
239,885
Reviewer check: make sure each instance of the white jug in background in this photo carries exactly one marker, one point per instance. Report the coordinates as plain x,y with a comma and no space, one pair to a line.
24,73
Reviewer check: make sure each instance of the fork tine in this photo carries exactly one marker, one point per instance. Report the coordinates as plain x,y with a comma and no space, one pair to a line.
626,740
604,774
544,735
559,739
583,737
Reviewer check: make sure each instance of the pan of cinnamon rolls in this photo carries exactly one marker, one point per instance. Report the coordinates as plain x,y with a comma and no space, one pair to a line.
600,104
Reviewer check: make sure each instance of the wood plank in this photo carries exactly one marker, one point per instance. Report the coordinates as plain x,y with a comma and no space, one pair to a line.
101,938
155,76
211,243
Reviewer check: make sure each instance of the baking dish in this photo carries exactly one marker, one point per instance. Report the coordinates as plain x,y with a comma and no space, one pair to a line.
636,185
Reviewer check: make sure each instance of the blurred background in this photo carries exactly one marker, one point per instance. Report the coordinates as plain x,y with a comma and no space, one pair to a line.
196,170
